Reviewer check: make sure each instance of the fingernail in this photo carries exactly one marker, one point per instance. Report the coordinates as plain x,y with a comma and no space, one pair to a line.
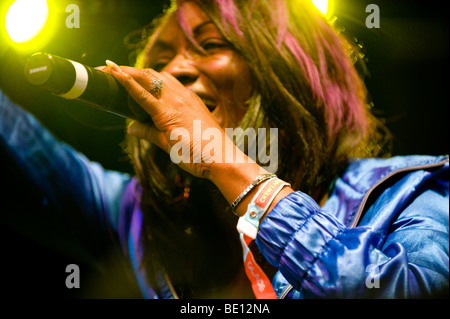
131,127
112,65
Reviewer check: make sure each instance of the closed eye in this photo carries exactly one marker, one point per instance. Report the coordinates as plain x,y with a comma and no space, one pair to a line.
212,46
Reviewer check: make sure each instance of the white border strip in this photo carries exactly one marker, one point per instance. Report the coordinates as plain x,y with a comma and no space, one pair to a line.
81,81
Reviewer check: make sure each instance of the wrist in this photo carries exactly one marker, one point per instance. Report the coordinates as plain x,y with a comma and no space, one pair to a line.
232,178
232,166
234,174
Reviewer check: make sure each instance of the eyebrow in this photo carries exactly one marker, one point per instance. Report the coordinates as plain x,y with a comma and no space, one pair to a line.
198,28
166,45
161,45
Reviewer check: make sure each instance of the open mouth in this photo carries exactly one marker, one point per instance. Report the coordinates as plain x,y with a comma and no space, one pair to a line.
210,103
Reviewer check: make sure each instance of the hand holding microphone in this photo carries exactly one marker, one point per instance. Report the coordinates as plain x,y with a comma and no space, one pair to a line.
73,80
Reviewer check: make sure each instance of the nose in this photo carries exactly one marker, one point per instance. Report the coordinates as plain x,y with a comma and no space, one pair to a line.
182,68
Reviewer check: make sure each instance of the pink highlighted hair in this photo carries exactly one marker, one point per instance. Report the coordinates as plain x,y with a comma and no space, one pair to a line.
305,84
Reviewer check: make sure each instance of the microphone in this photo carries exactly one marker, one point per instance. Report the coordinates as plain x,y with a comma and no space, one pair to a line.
73,80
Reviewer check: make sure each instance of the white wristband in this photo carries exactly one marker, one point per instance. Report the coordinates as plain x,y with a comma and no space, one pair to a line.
249,222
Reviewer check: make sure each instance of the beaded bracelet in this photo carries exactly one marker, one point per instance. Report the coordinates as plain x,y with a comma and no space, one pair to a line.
258,180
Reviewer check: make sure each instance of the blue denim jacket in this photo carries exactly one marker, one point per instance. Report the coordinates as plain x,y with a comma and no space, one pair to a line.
382,233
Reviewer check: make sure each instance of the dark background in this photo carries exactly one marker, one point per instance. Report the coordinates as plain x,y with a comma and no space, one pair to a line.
407,59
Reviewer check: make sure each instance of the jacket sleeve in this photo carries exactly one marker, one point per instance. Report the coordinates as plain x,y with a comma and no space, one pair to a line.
407,256
80,190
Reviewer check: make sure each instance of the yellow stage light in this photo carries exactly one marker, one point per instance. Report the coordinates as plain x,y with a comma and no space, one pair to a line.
25,19
28,23
324,6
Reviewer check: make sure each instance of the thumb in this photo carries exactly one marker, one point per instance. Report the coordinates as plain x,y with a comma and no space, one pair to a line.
150,133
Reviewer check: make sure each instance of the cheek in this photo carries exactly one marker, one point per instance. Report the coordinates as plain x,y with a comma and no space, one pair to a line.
243,85
231,77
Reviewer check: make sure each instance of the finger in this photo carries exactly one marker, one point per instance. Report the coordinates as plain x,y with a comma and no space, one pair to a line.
140,75
145,77
142,96
102,68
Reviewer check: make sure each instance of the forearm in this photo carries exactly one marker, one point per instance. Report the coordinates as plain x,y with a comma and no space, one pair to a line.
65,177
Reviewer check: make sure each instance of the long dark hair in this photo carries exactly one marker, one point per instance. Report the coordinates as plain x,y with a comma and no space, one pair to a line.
306,84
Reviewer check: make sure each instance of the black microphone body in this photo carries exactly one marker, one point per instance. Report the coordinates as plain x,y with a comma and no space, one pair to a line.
73,80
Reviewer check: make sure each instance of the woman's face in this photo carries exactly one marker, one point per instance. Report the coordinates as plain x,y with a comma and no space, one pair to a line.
217,75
